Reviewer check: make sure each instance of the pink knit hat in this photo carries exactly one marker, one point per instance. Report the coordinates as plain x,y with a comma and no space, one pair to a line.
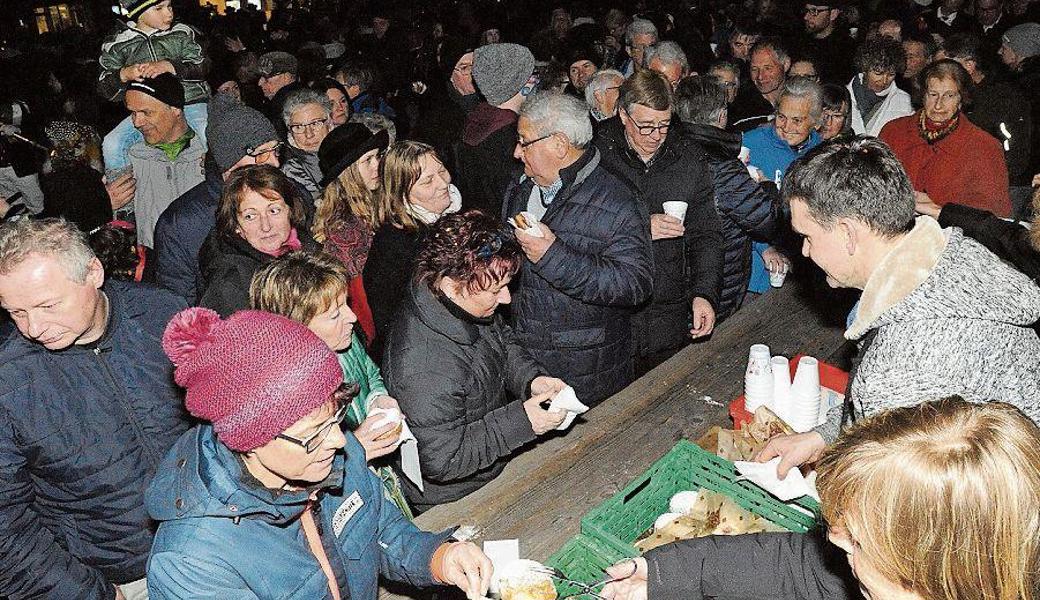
252,375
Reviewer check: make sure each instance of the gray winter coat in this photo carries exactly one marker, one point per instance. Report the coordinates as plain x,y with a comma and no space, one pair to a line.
303,168
160,182
949,318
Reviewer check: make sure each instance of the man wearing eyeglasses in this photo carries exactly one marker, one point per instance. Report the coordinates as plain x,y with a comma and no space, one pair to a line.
643,145
241,137
827,41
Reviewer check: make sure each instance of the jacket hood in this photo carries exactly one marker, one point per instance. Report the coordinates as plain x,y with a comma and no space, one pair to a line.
718,143
937,274
200,477
485,120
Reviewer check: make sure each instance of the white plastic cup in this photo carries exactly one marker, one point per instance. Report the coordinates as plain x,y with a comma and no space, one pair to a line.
675,208
805,395
758,379
744,155
776,278
781,368
759,351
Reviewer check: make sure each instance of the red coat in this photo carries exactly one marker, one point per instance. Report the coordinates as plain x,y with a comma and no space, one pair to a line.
966,167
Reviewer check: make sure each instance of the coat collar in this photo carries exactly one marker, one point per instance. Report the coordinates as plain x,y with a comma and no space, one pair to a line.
899,273
438,317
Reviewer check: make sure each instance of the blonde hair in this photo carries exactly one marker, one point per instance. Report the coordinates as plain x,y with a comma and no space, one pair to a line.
943,498
299,285
344,196
400,170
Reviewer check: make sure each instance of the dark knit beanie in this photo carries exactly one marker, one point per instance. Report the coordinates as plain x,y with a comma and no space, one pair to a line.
164,87
134,8
234,130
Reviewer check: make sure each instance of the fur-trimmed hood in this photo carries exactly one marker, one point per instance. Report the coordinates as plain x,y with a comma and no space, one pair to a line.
936,273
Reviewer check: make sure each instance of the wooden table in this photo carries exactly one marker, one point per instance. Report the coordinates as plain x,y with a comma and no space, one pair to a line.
541,495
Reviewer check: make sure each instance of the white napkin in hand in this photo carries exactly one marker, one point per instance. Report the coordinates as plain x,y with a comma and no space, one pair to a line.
409,445
566,400
764,476
532,221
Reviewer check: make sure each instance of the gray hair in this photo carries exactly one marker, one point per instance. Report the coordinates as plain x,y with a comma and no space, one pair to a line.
700,99
802,87
300,98
725,65
599,82
669,53
375,123
640,27
50,237
773,44
556,112
859,179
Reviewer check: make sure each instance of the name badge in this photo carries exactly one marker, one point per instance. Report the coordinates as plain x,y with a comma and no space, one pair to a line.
345,511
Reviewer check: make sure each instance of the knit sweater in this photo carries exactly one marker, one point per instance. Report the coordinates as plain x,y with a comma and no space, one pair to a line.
950,318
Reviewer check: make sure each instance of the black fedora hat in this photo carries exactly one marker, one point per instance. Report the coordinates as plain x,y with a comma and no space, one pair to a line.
344,146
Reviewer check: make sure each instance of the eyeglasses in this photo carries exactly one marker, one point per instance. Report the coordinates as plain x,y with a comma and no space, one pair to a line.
830,116
262,154
301,127
813,11
661,128
314,441
523,145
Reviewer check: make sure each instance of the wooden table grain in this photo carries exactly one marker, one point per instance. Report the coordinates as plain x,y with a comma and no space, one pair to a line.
541,495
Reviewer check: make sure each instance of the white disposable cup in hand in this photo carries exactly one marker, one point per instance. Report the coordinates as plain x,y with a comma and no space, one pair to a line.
675,208
744,155
777,277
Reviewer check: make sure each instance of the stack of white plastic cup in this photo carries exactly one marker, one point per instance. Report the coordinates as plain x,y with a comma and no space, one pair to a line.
781,404
805,395
758,379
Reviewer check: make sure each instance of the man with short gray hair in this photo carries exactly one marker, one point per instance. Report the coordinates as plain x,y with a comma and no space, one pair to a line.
89,409
668,59
601,93
939,315
639,35
588,262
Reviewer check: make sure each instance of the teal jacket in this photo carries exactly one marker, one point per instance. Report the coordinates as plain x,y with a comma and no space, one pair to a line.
130,46
222,535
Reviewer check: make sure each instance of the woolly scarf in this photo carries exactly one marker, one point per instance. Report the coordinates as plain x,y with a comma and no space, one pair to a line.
292,243
933,131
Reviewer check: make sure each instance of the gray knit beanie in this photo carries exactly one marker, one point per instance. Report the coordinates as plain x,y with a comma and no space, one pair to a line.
234,129
501,70
1024,39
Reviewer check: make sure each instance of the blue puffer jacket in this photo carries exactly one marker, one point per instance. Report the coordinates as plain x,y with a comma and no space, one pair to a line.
224,536
572,308
82,430
179,234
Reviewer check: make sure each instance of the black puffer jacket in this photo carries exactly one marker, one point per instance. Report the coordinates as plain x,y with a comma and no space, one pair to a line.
84,430
462,382
571,309
686,267
228,264
484,157
760,565
749,210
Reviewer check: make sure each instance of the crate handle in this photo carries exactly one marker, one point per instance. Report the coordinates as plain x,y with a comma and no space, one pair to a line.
638,488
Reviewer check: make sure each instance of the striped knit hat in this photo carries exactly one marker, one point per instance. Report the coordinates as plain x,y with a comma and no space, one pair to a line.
134,8
252,375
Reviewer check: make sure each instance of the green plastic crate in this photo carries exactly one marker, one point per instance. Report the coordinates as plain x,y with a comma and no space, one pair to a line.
620,520
582,559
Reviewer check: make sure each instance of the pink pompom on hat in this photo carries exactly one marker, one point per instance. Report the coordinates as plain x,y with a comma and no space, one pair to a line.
252,375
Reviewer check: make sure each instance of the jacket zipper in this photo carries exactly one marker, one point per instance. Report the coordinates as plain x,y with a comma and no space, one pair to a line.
121,396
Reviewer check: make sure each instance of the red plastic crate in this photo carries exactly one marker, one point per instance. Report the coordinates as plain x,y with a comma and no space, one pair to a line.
830,377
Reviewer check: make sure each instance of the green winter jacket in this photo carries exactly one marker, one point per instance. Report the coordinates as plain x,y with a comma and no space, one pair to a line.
130,46
358,367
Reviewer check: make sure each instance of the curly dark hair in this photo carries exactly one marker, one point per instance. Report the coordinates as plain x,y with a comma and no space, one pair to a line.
472,248
883,54
116,247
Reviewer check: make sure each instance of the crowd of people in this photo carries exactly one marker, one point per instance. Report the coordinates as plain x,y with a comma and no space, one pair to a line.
233,247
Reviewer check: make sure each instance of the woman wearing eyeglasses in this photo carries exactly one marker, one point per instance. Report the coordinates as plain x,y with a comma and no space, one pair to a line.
949,159
259,218
416,190
472,395
308,119
269,499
